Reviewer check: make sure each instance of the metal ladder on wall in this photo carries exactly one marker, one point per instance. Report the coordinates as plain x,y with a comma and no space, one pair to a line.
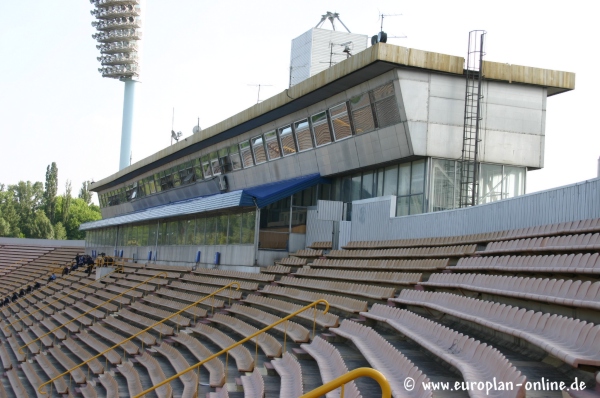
469,164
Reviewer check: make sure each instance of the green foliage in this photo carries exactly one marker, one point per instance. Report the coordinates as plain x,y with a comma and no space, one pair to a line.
84,192
50,191
60,233
32,210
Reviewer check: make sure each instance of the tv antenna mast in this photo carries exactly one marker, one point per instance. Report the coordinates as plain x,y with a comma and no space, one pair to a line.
174,135
382,37
331,16
259,86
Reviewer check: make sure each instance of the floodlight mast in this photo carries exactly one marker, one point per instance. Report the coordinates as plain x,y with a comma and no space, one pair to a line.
119,24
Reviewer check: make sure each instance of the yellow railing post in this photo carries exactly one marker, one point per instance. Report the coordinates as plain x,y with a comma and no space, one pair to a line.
20,350
386,390
137,334
242,341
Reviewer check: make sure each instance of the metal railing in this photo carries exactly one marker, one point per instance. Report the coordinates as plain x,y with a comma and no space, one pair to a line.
228,286
242,341
20,350
340,381
58,299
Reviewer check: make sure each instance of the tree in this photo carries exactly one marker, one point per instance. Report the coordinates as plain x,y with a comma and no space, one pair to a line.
60,232
41,227
84,192
50,191
9,214
66,203
27,199
79,213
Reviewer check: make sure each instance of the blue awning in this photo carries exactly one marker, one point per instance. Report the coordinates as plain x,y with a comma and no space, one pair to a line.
272,192
261,196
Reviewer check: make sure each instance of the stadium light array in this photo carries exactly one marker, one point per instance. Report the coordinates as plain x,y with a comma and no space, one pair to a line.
118,24
119,29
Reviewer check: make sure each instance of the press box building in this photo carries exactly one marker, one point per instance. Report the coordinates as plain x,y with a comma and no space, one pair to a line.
387,121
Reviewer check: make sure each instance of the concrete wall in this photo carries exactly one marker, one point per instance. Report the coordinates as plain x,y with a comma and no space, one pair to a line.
186,255
372,219
42,242
512,126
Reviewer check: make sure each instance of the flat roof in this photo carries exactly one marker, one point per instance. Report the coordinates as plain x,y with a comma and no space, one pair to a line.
351,72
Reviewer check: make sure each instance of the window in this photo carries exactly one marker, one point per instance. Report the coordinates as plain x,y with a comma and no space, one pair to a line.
362,114
234,157
390,181
131,191
287,140
320,128
224,161
206,169
340,122
199,232
367,185
303,135
216,166
444,185
246,154
234,235
197,169
211,231
386,107
259,150
186,173
175,175
272,145
248,226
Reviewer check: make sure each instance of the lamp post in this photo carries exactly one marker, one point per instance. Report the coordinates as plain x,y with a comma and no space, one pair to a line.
119,36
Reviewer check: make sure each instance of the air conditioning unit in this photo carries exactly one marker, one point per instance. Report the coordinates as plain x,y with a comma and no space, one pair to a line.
222,183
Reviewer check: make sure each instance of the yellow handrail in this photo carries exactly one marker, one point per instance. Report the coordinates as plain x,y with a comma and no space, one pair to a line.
66,295
242,341
140,332
20,350
386,390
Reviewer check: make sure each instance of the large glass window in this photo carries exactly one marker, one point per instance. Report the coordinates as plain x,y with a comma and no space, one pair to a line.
152,231
302,131
356,187
258,148
197,169
390,181
367,185
246,154
490,183
272,145
206,169
163,237
216,165
287,140
199,232
221,236
234,234
224,161
444,186
340,121
514,181
248,225
320,128
234,156
362,113
211,231
386,107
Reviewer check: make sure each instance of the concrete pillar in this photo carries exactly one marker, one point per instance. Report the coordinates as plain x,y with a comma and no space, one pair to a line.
127,126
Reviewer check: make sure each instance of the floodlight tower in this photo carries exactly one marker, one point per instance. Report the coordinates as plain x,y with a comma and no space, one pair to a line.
119,24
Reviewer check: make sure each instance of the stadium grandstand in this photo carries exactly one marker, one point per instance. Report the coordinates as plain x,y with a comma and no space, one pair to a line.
318,233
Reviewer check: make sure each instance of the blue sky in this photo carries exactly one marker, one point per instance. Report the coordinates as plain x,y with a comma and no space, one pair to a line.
201,56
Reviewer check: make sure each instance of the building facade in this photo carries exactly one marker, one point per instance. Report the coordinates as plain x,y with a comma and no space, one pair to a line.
387,121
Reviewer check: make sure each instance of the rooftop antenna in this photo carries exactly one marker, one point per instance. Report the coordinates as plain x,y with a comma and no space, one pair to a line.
347,50
197,128
331,16
382,37
259,86
174,135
